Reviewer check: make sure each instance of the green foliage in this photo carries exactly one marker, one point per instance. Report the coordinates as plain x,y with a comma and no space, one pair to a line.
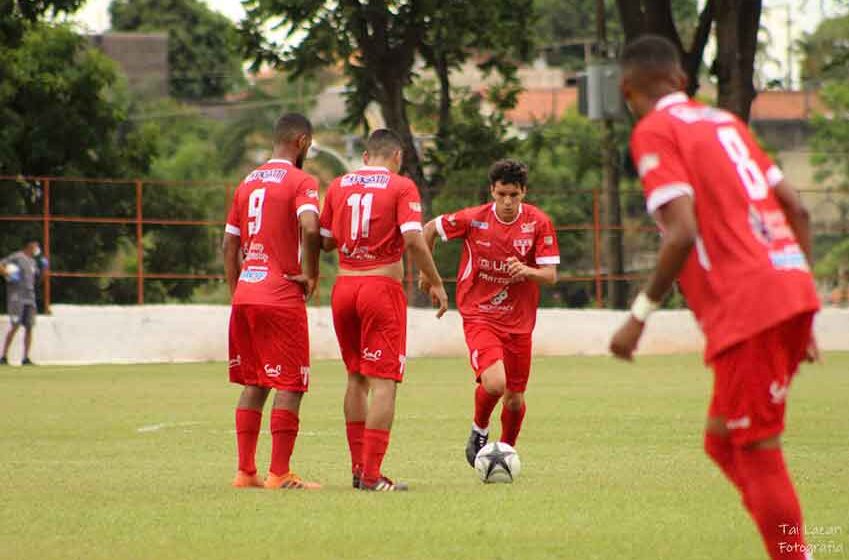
827,51
203,46
830,141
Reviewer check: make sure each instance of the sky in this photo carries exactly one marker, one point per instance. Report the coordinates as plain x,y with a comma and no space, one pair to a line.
804,15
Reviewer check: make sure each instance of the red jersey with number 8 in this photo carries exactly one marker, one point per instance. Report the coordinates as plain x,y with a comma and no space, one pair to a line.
747,272
265,216
367,212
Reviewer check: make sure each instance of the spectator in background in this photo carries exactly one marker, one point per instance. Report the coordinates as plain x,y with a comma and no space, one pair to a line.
22,271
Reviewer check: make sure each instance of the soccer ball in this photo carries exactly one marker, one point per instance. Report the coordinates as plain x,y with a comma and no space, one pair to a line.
497,462
12,273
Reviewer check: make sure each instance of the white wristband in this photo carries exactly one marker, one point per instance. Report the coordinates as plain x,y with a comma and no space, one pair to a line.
643,307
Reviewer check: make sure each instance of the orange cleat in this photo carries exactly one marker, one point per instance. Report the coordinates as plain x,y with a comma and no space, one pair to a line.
289,481
245,480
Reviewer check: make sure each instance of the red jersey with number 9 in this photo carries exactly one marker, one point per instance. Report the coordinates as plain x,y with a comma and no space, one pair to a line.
747,272
265,216
367,212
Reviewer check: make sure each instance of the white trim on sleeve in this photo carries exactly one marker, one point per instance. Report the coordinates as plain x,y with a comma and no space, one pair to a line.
666,193
307,208
411,226
774,176
232,230
440,229
548,260
325,232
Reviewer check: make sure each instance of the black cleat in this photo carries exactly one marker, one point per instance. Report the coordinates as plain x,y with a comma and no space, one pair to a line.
383,484
27,362
355,477
4,361
476,442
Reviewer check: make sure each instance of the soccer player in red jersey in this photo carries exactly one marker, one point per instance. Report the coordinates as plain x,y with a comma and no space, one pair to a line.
371,216
737,237
272,230
510,249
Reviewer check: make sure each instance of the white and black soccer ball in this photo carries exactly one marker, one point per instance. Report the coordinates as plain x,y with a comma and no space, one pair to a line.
12,273
497,462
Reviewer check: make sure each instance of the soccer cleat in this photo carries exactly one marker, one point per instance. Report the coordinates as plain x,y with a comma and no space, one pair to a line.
245,480
27,362
476,442
289,481
383,484
4,361
356,473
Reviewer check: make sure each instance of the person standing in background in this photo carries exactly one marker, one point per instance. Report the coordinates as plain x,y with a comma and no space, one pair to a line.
22,271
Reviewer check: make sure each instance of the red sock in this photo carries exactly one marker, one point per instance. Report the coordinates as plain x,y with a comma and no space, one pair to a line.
355,443
511,424
773,502
375,443
484,405
284,430
248,422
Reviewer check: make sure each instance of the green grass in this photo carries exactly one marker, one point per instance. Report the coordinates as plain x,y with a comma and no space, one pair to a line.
612,468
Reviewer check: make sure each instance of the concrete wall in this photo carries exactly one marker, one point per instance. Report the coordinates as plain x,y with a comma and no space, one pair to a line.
165,333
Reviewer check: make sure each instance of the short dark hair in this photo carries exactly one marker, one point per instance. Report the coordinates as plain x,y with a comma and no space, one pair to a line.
289,126
651,54
383,143
509,171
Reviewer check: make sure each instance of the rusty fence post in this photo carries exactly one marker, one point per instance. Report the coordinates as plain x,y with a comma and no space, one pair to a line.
139,245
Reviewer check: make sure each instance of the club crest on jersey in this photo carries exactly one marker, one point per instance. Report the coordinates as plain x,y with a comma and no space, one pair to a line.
528,227
266,176
523,245
365,181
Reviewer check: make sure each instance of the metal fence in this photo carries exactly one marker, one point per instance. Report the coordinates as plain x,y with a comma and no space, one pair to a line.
68,215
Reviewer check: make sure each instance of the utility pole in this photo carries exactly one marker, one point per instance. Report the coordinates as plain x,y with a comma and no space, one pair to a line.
617,292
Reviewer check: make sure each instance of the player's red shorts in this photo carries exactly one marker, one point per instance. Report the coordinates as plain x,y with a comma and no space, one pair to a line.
370,318
269,347
751,379
488,345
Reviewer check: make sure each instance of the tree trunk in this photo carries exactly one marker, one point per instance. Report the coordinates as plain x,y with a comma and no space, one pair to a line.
736,39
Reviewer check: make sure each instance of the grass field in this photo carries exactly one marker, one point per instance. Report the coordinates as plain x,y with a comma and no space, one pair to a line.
135,462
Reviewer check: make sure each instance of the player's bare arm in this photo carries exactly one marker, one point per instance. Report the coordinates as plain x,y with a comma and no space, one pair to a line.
800,222
429,235
231,248
677,218
328,244
544,275
310,250
416,244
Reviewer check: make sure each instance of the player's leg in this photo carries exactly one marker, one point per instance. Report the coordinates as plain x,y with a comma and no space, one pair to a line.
764,368
282,342
383,313
28,322
486,356
517,368
242,367
346,323
10,336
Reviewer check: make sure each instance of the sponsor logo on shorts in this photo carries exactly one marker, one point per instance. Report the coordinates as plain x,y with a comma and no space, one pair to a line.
523,245
777,392
477,224
267,176
372,356
273,371
305,375
739,423
402,360
253,274
528,227
365,181
235,362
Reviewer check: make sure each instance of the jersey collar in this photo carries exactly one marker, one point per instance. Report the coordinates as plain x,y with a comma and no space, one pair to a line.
374,168
280,161
518,214
671,99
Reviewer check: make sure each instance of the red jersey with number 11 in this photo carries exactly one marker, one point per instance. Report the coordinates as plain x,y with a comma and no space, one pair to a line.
747,272
367,212
264,215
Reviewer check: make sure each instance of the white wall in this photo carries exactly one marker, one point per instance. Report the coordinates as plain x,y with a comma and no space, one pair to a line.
164,333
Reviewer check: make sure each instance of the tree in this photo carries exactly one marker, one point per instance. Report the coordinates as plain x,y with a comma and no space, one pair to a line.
737,25
827,51
203,46
377,44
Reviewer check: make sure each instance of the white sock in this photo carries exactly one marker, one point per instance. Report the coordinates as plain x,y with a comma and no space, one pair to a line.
481,431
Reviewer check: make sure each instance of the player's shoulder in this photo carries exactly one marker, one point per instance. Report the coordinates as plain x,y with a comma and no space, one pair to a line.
532,212
401,182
